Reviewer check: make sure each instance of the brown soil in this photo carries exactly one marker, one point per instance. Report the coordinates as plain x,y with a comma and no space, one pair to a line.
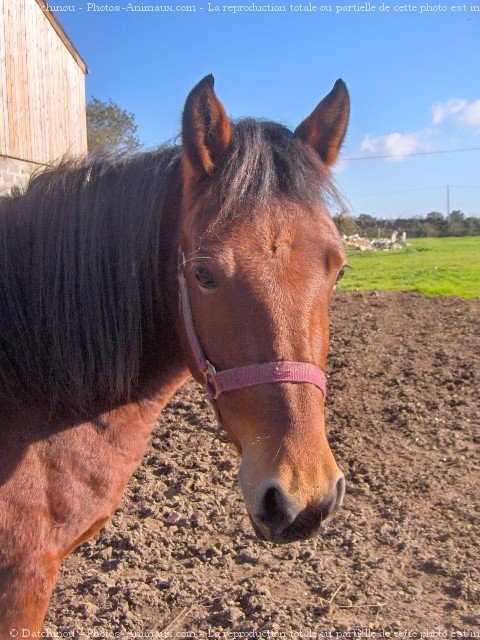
403,554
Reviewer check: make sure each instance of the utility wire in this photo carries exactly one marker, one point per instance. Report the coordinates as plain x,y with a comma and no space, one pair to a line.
409,155
464,186
387,193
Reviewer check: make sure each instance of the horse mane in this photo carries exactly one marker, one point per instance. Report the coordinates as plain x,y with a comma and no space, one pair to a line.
80,273
266,161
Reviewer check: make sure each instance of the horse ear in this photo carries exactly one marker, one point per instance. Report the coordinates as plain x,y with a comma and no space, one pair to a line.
206,128
325,127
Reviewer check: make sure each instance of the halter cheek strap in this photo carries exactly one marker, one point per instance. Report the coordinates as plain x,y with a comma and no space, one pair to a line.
217,382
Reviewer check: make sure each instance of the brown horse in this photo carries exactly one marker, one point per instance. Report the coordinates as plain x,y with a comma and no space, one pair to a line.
93,342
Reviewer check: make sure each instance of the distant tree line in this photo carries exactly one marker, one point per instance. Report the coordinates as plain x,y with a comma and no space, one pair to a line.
110,129
434,224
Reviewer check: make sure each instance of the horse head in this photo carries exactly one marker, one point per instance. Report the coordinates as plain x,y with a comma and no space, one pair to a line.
260,256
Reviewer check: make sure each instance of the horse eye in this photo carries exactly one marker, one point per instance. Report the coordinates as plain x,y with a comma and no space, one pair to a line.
341,273
204,278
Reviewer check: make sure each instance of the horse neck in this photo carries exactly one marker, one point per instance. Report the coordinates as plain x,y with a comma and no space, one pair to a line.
162,351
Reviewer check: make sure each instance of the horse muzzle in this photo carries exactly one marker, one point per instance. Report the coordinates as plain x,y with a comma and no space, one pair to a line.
277,518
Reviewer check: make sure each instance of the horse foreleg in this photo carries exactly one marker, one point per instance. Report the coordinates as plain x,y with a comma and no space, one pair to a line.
25,591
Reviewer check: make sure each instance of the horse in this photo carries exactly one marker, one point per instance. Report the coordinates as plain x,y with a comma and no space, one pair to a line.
122,276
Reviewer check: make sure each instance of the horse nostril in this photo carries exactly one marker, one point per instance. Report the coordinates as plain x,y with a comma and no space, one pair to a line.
340,491
335,502
274,512
272,505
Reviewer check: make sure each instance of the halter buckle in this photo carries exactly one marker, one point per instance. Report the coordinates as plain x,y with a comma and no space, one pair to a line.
209,377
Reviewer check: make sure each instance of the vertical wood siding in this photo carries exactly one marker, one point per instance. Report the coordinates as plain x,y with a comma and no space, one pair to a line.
42,88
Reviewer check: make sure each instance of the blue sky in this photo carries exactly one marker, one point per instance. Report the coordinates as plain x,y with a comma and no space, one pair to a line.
413,80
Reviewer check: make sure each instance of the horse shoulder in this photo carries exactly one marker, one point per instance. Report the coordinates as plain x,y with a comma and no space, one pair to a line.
59,485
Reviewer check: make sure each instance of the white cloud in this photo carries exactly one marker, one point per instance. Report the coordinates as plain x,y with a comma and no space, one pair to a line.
470,115
396,146
442,110
465,113
369,144
401,144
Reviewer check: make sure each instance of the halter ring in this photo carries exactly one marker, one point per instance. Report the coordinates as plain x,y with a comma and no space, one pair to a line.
210,383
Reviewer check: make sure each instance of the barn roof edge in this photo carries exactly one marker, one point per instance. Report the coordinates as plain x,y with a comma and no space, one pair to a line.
54,21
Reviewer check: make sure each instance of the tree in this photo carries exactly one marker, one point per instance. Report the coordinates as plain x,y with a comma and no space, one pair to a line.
436,224
455,226
365,220
110,129
435,217
472,226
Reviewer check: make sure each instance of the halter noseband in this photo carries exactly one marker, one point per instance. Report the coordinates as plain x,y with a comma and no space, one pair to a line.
217,382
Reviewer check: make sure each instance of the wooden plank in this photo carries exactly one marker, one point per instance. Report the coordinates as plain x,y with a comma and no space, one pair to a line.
31,62
11,27
7,105
76,116
81,116
20,82
26,141
62,99
49,97
36,88
4,131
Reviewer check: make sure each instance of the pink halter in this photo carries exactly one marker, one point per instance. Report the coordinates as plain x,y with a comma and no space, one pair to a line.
217,382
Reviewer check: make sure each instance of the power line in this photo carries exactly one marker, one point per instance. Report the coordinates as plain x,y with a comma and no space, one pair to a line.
387,193
409,155
464,186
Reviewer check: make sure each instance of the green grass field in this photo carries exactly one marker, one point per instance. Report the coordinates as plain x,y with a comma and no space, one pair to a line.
434,266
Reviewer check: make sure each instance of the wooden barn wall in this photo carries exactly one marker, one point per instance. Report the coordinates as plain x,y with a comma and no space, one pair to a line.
42,88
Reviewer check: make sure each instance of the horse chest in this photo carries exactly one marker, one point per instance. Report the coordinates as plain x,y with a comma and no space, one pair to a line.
87,473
